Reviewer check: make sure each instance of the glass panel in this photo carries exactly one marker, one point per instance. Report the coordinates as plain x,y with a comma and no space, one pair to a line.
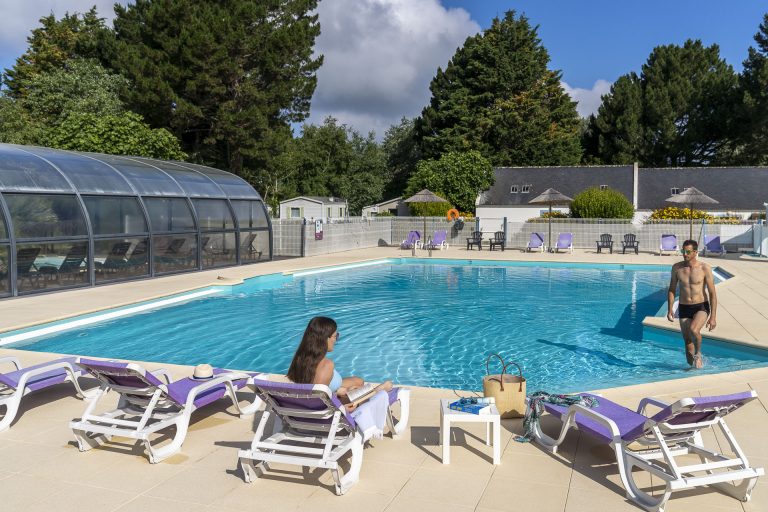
231,184
254,246
51,266
169,214
41,216
193,183
174,252
5,275
120,258
251,214
3,228
87,174
213,214
20,171
115,215
147,180
219,249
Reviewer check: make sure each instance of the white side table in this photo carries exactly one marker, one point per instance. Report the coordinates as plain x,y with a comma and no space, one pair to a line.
492,421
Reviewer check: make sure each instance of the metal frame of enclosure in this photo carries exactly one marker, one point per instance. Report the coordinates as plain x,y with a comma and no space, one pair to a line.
70,219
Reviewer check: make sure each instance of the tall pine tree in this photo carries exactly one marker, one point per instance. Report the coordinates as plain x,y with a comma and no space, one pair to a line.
228,77
498,97
752,136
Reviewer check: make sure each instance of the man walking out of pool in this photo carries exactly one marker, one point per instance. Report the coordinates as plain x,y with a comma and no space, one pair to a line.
698,300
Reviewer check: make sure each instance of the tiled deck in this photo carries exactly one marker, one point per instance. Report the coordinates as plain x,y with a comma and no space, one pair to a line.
41,469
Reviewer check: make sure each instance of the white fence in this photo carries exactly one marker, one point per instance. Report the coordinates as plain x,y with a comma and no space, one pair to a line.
294,238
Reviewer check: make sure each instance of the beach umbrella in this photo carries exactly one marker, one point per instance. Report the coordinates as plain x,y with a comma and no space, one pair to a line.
690,197
425,196
550,197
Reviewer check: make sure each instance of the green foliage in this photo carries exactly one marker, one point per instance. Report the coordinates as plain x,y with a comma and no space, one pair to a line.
430,209
459,177
594,203
677,112
17,126
227,77
751,128
402,153
118,134
54,44
496,96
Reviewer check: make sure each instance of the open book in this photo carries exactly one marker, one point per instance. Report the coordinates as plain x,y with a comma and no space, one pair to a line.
359,395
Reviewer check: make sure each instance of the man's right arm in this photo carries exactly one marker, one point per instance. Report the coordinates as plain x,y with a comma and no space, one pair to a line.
671,294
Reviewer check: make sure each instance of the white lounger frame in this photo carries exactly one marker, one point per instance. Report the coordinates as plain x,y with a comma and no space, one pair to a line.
11,397
138,417
669,441
327,447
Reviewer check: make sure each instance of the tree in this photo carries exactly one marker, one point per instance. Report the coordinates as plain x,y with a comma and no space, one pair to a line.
497,96
594,203
678,111
458,177
227,77
402,153
115,134
52,45
751,136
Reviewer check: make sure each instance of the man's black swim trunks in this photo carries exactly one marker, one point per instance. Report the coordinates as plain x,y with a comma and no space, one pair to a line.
689,310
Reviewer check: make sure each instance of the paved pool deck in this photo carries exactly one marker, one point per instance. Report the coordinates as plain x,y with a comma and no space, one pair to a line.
41,468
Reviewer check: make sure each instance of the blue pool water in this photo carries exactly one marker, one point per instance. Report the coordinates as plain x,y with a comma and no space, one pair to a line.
570,327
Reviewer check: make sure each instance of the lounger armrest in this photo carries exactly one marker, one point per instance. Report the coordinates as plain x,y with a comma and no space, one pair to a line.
222,378
590,413
11,359
650,401
66,365
162,372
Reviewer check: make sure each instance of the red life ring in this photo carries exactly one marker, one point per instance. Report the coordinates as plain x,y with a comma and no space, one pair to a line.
452,214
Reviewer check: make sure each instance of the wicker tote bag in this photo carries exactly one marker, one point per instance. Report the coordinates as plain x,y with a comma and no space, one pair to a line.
507,390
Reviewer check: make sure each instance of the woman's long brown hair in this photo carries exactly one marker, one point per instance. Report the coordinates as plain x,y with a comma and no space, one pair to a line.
312,350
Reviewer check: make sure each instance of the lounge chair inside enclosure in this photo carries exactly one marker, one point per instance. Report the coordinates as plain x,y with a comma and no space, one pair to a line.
498,240
413,240
313,431
248,248
712,246
17,383
439,240
630,242
71,266
605,242
668,244
116,259
147,404
475,239
564,242
658,442
25,264
536,243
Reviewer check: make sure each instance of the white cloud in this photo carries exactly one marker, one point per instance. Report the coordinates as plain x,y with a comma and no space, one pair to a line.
21,16
588,99
380,56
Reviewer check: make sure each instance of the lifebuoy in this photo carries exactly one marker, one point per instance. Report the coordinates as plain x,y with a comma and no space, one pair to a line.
452,214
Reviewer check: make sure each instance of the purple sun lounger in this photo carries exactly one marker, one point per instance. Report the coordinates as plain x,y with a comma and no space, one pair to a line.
564,242
672,432
147,405
14,385
439,241
312,429
536,242
668,244
712,246
412,240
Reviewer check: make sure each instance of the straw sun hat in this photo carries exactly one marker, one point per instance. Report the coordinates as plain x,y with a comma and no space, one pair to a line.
203,372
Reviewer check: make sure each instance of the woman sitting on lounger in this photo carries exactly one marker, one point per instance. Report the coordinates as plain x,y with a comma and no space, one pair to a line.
310,366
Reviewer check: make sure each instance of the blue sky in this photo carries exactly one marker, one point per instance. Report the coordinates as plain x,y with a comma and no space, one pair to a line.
380,55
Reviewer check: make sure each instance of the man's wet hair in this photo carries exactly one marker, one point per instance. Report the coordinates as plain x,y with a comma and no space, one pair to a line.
692,243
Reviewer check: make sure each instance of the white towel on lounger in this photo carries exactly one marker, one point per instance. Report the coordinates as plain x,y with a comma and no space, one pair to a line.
371,415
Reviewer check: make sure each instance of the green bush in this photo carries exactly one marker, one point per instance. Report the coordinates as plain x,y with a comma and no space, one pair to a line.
595,203
430,209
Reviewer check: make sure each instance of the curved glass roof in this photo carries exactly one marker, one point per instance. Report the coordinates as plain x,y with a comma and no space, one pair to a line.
37,169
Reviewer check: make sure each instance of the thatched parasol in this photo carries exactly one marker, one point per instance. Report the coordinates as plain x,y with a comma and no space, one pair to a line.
550,197
425,196
690,197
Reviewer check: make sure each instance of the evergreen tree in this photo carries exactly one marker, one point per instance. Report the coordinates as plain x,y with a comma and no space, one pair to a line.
228,77
752,136
402,153
677,112
52,45
497,96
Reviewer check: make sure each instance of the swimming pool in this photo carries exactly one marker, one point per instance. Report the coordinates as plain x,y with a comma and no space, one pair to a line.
570,326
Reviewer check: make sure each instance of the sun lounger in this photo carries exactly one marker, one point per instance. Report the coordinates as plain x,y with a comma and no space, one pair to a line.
314,431
668,244
712,246
564,242
148,405
14,385
674,431
536,242
413,240
438,241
